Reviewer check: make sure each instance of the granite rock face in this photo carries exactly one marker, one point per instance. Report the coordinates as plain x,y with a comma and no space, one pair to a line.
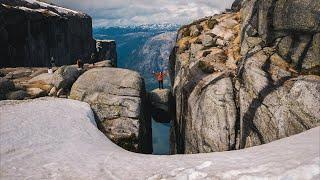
258,82
279,76
31,32
202,76
62,139
118,98
106,50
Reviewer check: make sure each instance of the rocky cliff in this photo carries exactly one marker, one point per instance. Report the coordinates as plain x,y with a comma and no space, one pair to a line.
247,77
107,50
31,32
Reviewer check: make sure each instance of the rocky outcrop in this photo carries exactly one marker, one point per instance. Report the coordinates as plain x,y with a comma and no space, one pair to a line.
31,32
203,68
279,76
60,136
59,82
162,107
240,85
236,5
106,50
118,98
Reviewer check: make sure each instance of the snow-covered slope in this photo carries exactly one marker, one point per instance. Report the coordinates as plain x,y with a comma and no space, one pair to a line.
57,139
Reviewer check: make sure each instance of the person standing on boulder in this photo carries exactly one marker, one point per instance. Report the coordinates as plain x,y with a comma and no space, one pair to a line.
51,65
93,58
160,76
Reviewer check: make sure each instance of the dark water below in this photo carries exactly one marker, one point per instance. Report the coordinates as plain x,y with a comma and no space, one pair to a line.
161,138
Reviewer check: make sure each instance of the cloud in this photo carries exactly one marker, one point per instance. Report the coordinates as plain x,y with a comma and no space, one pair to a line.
134,12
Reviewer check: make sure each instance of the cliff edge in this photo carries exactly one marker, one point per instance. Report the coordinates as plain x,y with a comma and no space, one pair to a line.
31,32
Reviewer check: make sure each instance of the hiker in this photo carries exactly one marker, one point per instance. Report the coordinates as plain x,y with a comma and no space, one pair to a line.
80,64
52,62
51,65
160,76
93,58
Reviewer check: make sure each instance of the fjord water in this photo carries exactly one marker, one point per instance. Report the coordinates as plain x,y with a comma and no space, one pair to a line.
145,49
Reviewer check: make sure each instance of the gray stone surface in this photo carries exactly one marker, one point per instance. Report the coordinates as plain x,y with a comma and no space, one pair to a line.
17,95
5,86
271,110
65,76
211,125
58,139
62,78
118,98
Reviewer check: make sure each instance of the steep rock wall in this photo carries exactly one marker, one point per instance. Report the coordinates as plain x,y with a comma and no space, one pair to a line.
31,32
279,74
246,78
106,50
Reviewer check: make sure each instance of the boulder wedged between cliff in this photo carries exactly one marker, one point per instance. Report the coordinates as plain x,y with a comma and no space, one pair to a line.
162,105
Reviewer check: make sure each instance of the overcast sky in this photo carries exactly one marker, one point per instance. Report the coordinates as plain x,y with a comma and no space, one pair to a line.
128,12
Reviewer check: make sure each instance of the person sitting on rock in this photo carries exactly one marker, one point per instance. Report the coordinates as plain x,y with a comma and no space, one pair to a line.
160,76
80,64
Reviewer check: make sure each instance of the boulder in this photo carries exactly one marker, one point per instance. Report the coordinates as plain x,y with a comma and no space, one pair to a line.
61,137
195,30
64,77
36,92
105,63
38,72
44,78
5,86
208,40
19,73
117,96
162,109
17,95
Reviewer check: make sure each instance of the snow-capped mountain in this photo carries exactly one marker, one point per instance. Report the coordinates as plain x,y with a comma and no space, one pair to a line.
144,48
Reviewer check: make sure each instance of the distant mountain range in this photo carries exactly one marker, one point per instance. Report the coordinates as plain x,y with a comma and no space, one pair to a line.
144,48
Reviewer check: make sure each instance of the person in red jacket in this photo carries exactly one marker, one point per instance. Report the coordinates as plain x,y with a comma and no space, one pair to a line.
160,76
